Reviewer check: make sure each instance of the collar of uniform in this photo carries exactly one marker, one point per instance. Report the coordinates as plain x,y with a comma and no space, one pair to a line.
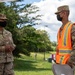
64,25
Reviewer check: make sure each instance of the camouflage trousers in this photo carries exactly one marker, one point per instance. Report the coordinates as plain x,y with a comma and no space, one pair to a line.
73,69
6,68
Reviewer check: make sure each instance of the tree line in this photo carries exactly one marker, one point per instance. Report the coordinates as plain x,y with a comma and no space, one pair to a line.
25,36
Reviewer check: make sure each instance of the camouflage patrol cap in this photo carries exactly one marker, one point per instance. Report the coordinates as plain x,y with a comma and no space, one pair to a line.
61,8
2,17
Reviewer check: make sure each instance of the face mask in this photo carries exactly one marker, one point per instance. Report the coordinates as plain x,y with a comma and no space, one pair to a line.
59,18
3,24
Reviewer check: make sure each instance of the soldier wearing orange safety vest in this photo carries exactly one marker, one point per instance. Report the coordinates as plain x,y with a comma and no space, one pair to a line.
65,51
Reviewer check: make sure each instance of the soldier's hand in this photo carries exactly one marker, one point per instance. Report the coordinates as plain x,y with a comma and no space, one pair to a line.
8,48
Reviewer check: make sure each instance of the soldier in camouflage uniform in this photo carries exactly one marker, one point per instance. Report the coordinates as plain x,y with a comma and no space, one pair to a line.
62,15
6,48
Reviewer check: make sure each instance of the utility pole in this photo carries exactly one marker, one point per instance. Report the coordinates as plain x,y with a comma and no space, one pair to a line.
44,42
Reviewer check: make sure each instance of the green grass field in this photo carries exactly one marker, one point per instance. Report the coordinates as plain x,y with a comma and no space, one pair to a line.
29,66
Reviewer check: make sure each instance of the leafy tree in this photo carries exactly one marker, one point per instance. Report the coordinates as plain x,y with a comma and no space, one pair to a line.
27,18
44,41
26,38
54,43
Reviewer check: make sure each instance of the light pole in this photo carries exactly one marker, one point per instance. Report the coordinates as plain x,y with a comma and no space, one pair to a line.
44,54
44,42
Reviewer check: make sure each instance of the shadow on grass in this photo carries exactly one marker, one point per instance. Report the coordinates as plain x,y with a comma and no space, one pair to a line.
27,65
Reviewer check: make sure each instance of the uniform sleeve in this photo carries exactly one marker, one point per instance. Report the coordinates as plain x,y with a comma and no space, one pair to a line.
73,37
11,41
72,57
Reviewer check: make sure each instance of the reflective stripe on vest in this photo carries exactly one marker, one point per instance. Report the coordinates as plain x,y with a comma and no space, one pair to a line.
65,35
65,51
61,59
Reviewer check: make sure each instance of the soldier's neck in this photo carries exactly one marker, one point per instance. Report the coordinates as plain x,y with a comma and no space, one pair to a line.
65,21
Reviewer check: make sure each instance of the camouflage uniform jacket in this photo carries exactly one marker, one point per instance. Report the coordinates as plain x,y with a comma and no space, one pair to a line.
72,57
5,38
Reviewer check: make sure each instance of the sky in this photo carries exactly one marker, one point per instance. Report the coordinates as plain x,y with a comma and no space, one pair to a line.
29,1
47,8
49,21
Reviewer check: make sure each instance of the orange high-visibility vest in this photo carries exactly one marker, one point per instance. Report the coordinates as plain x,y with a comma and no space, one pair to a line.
64,44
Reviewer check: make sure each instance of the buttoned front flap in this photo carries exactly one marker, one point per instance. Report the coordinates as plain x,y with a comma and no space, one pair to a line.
2,57
6,57
9,56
